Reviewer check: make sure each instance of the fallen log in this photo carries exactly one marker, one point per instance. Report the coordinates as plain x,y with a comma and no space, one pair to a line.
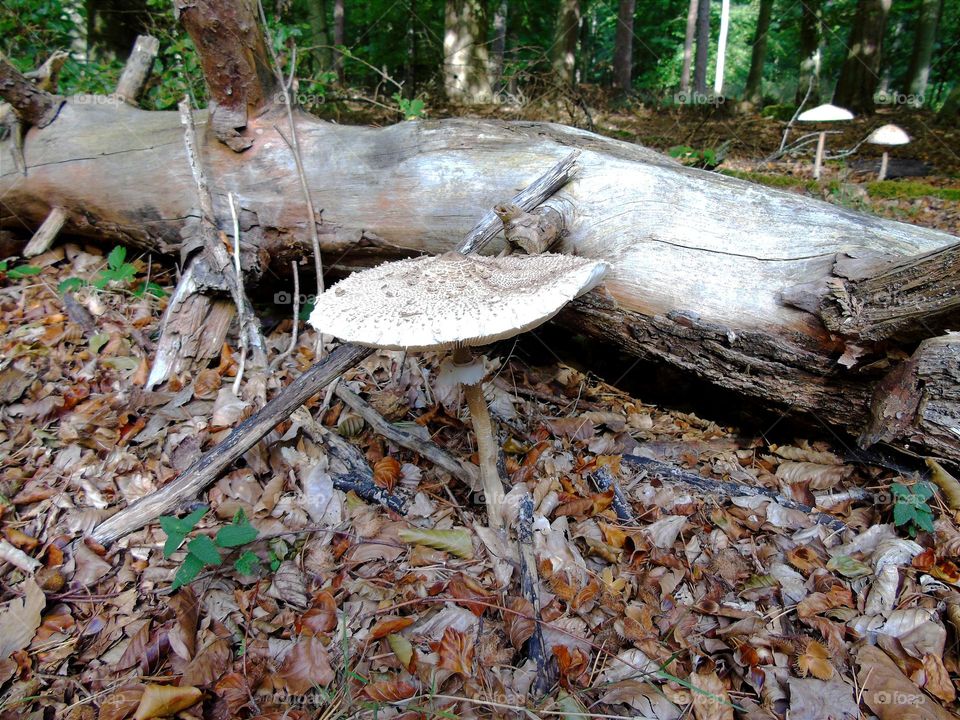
746,286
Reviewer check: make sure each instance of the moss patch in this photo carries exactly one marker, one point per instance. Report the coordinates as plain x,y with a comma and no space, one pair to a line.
904,189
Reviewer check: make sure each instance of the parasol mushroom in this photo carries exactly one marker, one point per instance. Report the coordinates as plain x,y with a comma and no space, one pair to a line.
455,301
823,114
887,135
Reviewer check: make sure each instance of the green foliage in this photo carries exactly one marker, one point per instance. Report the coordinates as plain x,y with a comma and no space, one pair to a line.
410,108
706,158
19,272
911,509
204,552
118,271
904,189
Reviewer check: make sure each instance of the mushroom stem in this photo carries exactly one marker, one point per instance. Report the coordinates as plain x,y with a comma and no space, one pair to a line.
882,175
487,452
486,445
818,163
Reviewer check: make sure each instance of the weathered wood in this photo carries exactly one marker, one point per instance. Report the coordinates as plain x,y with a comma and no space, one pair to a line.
137,69
700,261
875,298
32,104
235,62
43,238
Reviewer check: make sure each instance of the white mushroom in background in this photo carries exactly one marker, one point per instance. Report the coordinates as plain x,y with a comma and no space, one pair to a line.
823,114
455,301
887,135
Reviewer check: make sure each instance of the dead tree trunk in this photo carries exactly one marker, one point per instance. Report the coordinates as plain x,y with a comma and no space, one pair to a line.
771,294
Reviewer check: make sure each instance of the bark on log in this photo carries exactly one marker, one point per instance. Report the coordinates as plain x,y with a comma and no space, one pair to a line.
702,263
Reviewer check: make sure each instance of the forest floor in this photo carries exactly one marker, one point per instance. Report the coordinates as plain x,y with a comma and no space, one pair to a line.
308,602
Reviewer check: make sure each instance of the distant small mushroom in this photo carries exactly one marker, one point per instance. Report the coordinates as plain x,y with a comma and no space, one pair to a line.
887,135
456,301
823,114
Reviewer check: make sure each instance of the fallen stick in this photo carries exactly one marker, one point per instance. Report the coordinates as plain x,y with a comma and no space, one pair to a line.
731,489
604,481
529,588
429,450
211,464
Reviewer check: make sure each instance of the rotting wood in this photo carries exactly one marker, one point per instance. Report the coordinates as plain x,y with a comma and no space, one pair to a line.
877,298
604,481
209,466
425,448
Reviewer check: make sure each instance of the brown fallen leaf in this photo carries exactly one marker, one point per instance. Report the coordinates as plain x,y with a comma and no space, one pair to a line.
712,701
209,665
519,627
163,700
938,679
321,618
21,618
390,625
120,703
390,691
889,693
305,666
456,652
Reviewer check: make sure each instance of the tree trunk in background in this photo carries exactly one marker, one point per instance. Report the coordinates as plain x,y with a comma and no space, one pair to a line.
703,47
113,26
861,70
623,46
722,46
564,51
688,46
753,92
923,41
320,34
466,63
950,112
811,31
339,37
499,46
410,59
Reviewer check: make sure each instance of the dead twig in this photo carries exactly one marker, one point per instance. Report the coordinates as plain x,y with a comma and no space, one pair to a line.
665,471
429,450
296,320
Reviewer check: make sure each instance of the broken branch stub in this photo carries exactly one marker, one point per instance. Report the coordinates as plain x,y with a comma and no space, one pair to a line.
31,104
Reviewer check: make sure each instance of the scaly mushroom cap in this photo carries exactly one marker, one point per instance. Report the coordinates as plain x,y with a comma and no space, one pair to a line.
888,135
444,300
825,113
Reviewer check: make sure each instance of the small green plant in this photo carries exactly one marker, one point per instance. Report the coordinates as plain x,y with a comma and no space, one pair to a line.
692,157
202,551
119,271
411,108
20,272
911,509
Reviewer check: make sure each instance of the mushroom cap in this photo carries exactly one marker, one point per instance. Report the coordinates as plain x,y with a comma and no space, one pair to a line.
825,113
440,301
888,135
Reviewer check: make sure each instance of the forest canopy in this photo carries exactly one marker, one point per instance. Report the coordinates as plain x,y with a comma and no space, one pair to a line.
381,45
